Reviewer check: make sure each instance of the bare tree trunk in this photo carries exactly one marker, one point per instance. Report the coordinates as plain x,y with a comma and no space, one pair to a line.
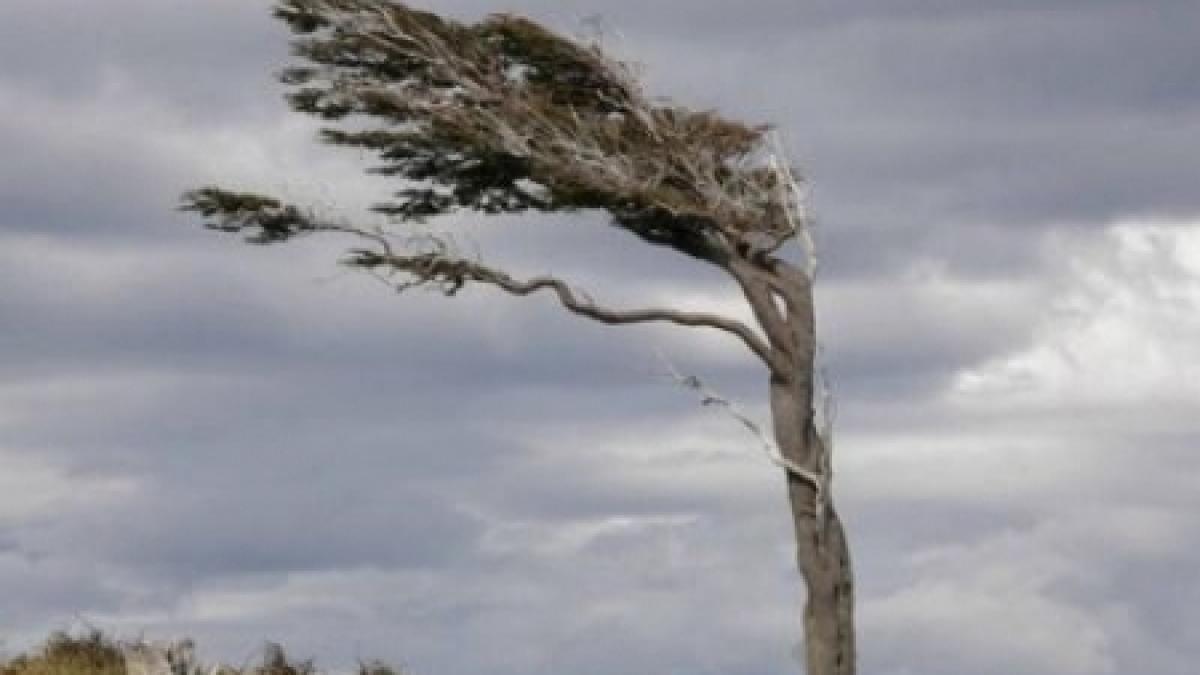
823,556
824,562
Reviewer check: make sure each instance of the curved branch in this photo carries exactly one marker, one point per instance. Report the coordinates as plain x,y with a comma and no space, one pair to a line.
428,261
452,273
604,315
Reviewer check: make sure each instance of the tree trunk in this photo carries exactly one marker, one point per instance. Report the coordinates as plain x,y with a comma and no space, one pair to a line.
823,556
782,300
824,562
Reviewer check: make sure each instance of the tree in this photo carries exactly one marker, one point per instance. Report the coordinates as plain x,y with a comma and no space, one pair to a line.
504,116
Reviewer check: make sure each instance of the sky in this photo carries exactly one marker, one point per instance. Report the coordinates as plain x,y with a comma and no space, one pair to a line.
242,444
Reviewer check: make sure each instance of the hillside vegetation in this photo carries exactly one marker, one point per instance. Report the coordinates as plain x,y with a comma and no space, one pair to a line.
96,654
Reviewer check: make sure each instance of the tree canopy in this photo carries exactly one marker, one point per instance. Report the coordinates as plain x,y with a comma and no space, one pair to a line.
506,116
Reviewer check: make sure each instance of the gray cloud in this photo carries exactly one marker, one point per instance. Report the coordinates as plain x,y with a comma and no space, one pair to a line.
193,57
206,438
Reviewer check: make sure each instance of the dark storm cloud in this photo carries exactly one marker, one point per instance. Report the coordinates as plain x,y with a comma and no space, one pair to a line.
269,519
77,185
921,124
71,49
47,591
170,373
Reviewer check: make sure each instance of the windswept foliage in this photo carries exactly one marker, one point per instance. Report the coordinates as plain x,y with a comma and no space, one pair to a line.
506,116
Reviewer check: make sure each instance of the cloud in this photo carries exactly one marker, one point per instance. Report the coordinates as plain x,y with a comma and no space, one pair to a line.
195,55
1022,599
33,490
1121,330
989,609
242,443
1063,449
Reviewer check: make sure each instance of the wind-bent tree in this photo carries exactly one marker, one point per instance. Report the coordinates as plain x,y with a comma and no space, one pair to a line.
505,116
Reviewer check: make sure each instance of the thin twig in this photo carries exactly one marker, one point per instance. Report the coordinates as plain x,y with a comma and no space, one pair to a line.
710,398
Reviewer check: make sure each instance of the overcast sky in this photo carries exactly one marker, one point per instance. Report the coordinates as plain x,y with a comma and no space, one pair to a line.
240,444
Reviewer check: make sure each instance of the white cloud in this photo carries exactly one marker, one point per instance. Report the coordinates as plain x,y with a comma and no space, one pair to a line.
705,454
561,540
32,489
927,307
990,609
1121,328
1082,437
1040,598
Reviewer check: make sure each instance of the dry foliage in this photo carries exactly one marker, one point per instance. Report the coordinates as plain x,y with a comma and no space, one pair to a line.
64,654
504,115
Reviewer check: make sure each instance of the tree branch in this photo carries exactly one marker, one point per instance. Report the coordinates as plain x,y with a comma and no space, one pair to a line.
451,273
818,478
428,260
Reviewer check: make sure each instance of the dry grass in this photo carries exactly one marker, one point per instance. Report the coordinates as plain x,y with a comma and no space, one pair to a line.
63,654
93,653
